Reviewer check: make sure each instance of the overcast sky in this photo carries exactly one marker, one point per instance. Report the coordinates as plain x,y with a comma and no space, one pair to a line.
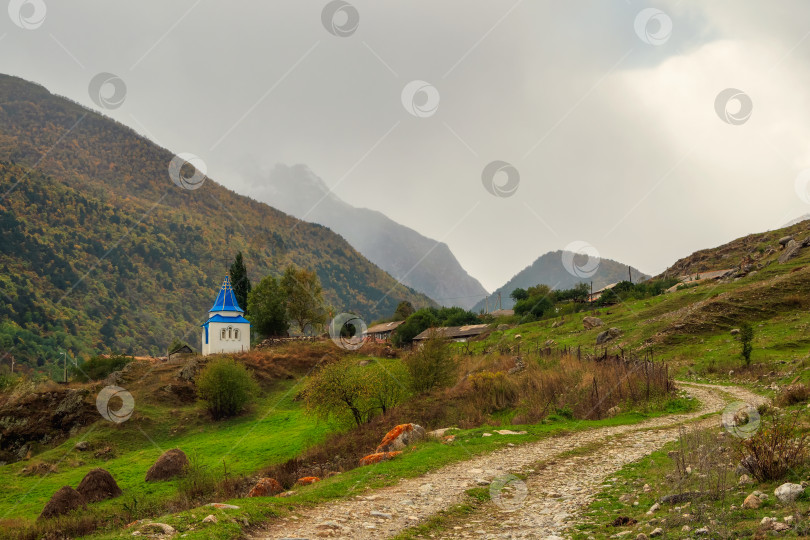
606,110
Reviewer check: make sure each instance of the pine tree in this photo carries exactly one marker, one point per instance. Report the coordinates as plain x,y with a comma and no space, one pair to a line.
240,281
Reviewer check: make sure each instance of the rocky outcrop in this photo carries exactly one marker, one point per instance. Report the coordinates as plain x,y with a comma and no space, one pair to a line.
377,458
591,322
608,335
791,250
169,465
265,488
307,480
400,437
787,493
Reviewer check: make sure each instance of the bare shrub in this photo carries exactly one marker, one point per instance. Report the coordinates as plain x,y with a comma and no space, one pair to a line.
776,448
793,394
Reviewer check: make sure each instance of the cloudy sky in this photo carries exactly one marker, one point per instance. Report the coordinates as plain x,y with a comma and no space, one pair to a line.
612,115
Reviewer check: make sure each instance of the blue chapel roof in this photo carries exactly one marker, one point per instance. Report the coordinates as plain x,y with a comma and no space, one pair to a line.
226,319
226,301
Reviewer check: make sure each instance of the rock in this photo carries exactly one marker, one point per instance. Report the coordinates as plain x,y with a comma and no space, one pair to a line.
745,479
641,536
509,432
787,493
400,437
329,525
653,509
486,434
701,531
549,343
658,531
785,239
752,502
439,433
557,324
65,500
502,327
171,464
766,523
735,331
223,506
307,480
98,485
591,322
287,494
608,335
646,488
266,487
686,528
82,446
613,411
382,515
788,519
378,457
779,527
791,250
210,518
160,528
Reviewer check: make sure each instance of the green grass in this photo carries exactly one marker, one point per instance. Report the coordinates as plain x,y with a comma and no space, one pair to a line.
274,431
417,460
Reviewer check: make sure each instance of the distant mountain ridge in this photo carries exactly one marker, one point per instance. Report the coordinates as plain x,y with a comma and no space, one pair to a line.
417,261
549,269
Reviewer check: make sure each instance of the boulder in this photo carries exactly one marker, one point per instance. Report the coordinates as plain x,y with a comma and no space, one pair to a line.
735,331
171,464
787,493
791,250
785,239
657,532
752,502
266,487
65,500
307,480
98,485
592,322
82,446
378,457
607,335
400,437
210,518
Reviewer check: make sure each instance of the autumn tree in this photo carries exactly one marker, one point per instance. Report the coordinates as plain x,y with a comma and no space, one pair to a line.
305,304
267,307
240,281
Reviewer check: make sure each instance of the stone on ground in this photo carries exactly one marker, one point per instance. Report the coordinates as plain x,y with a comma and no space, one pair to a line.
400,437
266,487
787,492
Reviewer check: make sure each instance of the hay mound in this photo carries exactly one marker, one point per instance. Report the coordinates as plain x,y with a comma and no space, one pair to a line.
64,501
98,485
172,463
265,487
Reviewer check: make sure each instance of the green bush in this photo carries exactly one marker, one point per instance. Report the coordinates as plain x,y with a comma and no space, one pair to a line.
98,367
227,387
431,366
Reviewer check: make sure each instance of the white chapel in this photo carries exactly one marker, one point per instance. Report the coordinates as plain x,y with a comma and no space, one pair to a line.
226,330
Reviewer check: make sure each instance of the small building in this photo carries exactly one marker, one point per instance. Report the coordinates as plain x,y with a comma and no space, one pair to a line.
226,330
455,333
381,332
179,353
596,295
501,313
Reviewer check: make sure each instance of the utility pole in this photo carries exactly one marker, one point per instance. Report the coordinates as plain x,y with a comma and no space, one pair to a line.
630,274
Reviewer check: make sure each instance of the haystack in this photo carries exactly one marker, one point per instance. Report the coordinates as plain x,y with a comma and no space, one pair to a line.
172,463
98,485
64,501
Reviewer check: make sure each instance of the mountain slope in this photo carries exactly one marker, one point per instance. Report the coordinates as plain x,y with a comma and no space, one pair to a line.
102,251
419,262
549,270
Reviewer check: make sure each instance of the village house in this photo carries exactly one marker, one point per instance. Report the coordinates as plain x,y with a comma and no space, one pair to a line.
455,333
381,332
596,295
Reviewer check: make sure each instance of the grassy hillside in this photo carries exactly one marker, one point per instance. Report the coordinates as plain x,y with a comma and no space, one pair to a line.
101,251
